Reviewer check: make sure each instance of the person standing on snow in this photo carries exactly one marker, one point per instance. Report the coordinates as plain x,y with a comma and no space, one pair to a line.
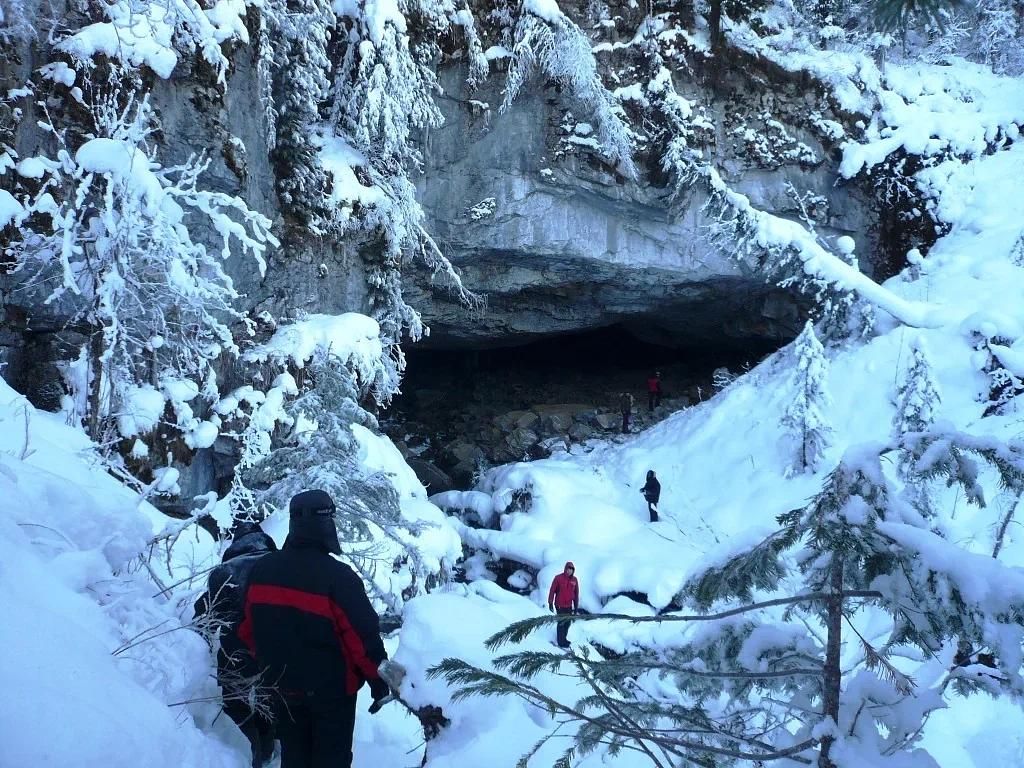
652,492
315,635
222,605
626,406
564,599
654,391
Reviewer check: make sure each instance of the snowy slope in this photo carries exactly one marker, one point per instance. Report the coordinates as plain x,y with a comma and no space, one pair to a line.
722,464
92,657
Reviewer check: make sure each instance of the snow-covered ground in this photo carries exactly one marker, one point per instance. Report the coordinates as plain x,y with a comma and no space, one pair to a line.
100,667
722,464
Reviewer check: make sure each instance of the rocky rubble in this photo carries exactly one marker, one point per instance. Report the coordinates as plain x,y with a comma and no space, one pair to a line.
451,457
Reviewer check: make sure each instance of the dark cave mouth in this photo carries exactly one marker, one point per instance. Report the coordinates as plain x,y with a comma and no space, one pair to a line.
463,408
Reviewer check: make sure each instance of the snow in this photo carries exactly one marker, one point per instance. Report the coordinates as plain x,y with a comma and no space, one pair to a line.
141,410
496,52
126,164
73,595
438,543
339,158
10,209
33,167
138,36
351,337
545,9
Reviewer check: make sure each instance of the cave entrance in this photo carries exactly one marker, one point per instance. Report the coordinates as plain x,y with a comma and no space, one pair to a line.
466,408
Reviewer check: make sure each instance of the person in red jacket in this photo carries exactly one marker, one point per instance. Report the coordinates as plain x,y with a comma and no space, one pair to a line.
564,599
654,391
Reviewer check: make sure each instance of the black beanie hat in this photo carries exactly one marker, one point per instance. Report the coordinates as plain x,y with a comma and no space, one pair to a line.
312,520
311,503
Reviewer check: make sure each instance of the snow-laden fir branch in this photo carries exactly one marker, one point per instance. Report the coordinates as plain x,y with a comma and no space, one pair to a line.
546,39
785,251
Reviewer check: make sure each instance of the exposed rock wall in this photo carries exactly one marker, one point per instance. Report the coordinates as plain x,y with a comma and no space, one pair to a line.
554,242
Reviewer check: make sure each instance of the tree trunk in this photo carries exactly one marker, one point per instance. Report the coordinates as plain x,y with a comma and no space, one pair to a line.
833,647
96,383
715,25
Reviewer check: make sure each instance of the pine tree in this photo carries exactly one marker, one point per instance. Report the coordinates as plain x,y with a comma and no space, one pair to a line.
892,15
748,679
917,402
321,452
806,417
299,32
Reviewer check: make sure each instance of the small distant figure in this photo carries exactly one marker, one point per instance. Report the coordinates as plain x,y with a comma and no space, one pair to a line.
223,604
564,599
626,406
652,492
654,391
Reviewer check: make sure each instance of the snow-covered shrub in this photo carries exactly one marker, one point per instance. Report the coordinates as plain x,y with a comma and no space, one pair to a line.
111,241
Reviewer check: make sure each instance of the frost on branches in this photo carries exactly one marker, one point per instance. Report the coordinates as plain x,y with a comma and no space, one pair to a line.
545,38
109,239
806,416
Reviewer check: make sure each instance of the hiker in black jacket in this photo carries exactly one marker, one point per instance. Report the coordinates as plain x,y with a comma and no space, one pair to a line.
652,492
222,605
315,635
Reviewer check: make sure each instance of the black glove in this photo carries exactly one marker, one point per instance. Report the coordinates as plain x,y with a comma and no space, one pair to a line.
379,688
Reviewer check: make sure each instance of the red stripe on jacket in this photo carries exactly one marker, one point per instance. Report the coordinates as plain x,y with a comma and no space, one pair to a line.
351,644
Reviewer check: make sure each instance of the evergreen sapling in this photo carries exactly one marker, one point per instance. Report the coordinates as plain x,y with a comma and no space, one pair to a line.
805,418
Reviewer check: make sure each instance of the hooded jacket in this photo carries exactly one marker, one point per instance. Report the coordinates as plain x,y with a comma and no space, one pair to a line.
565,590
309,623
224,598
651,489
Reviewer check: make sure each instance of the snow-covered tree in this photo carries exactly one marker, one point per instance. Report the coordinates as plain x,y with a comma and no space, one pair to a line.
917,402
546,39
805,418
110,242
298,34
806,644
322,452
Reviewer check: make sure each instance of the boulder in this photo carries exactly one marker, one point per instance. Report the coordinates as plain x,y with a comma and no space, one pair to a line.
580,432
433,477
609,420
520,441
464,452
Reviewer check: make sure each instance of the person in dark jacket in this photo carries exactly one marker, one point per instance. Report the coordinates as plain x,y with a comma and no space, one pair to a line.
315,635
654,391
564,599
222,605
626,406
652,492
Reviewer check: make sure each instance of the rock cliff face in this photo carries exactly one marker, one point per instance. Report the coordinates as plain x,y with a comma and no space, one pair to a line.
554,242
548,236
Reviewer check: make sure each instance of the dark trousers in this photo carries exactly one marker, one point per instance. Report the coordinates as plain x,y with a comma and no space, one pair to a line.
653,400
653,509
257,729
625,422
563,627
316,731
